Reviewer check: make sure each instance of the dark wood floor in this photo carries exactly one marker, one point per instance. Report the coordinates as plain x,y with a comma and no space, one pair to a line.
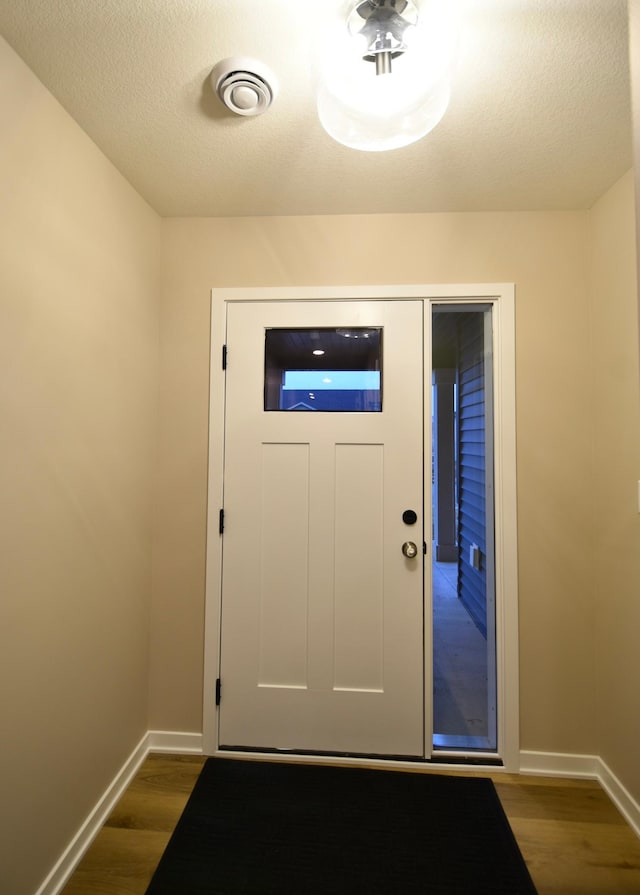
572,837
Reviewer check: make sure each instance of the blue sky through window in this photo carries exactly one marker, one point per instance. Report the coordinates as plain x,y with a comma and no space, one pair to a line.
331,380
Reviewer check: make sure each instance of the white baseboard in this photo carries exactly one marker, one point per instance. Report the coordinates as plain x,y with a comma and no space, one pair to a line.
621,797
169,741
559,764
153,741
70,858
554,764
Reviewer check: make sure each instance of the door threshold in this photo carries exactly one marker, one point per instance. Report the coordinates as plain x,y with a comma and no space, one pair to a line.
437,761
479,745
313,753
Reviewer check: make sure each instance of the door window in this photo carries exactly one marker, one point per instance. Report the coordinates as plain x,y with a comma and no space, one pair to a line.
328,369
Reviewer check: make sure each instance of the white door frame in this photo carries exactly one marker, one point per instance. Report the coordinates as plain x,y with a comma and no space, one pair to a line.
502,297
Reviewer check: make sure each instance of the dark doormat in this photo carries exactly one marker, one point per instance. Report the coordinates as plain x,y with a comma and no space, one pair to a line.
269,828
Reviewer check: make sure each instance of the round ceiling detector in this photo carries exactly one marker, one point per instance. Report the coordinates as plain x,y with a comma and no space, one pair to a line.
245,86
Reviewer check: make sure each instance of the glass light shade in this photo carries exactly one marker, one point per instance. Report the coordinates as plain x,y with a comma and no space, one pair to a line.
383,118
372,112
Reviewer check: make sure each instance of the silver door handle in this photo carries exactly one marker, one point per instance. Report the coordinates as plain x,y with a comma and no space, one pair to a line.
409,549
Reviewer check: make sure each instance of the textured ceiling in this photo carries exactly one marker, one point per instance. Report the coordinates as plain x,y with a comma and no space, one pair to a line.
539,117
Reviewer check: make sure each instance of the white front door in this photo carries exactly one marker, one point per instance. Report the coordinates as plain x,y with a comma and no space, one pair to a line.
322,629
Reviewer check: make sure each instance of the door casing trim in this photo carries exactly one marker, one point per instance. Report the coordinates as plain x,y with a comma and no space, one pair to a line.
502,298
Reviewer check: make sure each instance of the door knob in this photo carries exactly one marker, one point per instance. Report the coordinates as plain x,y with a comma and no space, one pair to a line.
409,549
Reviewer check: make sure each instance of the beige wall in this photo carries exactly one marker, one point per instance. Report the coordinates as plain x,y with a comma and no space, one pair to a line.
78,380
616,402
80,271
634,57
545,254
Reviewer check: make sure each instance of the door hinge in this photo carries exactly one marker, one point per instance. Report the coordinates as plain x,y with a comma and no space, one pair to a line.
224,357
221,522
218,689
424,547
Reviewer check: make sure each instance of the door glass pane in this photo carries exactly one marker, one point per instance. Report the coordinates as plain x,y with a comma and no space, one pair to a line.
464,643
323,369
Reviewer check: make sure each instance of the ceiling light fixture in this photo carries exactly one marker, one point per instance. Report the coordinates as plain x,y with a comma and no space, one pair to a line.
386,82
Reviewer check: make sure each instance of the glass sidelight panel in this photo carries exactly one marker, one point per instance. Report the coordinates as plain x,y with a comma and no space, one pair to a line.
323,369
463,556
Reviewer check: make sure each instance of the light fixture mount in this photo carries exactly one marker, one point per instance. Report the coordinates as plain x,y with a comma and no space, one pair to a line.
383,24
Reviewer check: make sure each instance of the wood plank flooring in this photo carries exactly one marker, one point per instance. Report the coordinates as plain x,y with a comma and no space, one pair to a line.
572,837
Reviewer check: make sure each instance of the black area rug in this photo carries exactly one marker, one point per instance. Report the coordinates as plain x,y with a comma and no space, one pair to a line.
267,828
